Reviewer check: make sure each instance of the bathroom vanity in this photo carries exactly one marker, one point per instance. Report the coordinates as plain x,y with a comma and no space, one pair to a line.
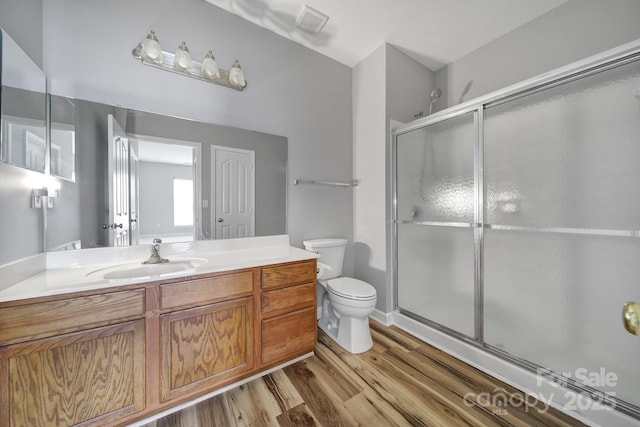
117,351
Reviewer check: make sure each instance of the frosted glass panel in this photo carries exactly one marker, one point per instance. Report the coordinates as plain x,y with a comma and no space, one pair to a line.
435,274
567,156
435,178
556,300
561,174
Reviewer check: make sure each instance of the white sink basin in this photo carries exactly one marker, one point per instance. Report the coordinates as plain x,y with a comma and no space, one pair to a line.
137,270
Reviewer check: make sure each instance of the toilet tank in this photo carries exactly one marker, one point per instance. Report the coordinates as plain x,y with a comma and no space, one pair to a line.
331,253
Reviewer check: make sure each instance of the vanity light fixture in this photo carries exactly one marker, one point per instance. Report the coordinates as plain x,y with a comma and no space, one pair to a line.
209,67
236,76
150,49
182,59
150,53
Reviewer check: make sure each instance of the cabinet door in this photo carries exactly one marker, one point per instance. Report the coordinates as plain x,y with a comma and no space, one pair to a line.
205,346
90,377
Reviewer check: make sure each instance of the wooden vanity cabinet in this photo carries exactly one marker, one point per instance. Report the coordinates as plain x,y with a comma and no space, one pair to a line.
88,377
112,357
288,311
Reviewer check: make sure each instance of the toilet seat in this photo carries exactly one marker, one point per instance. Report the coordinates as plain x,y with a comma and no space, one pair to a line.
350,288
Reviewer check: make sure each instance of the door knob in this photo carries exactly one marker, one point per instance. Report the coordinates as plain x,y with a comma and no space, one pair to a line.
631,317
220,220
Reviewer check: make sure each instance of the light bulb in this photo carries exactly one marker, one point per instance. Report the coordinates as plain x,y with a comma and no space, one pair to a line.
151,50
182,60
236,76
210,67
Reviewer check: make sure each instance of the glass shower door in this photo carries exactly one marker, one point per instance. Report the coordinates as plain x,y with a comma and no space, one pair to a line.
436,211
561,246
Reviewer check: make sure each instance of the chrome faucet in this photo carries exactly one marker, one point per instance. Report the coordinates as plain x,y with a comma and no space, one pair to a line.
155,257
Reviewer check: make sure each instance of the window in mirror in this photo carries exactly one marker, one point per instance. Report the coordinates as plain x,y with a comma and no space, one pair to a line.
182,202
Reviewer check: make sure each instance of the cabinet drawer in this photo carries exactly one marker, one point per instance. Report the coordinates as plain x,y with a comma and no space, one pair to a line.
206,291
282,300
288,335
289,274
44,319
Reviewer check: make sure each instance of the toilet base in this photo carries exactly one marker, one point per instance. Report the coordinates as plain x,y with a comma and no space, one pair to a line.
352,334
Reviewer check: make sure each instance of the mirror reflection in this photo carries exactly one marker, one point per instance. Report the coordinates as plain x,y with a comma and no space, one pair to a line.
23,107
139,175
63,138
169,190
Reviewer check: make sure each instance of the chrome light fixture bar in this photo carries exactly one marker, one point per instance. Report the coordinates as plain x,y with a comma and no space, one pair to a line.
234,78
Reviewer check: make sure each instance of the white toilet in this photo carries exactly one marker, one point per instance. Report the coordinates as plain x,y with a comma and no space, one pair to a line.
346,302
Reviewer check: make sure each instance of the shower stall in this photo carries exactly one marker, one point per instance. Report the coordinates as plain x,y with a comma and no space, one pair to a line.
516,224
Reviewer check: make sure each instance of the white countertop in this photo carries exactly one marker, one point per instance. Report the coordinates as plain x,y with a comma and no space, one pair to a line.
73,271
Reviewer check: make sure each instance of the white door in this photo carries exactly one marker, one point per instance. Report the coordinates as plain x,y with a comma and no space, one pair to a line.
118,151
233,192
197,192
134,186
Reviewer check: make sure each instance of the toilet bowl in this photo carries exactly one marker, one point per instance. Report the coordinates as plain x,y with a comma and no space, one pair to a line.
346,302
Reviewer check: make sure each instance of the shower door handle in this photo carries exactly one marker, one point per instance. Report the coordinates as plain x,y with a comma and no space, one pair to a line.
631,317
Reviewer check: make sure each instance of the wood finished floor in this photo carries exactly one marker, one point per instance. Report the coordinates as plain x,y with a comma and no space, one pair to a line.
401,381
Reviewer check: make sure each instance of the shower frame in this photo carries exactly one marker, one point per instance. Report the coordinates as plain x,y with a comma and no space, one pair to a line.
625,54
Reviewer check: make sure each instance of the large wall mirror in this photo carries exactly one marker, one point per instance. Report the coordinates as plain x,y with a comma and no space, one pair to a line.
142,175
23,106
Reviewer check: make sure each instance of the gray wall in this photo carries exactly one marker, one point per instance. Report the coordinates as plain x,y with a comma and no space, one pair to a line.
292,91
24,103
573,31
20,225
369,112
409,84
387,85
22,19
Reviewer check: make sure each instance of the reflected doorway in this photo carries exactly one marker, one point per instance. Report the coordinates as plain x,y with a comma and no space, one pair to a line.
169,190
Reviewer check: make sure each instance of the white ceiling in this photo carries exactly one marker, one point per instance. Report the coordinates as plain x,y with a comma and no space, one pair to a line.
433,32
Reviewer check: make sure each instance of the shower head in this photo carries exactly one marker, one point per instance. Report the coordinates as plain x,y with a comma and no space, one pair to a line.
435,95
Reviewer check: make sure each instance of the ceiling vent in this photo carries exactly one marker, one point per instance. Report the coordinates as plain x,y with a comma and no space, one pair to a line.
311,20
